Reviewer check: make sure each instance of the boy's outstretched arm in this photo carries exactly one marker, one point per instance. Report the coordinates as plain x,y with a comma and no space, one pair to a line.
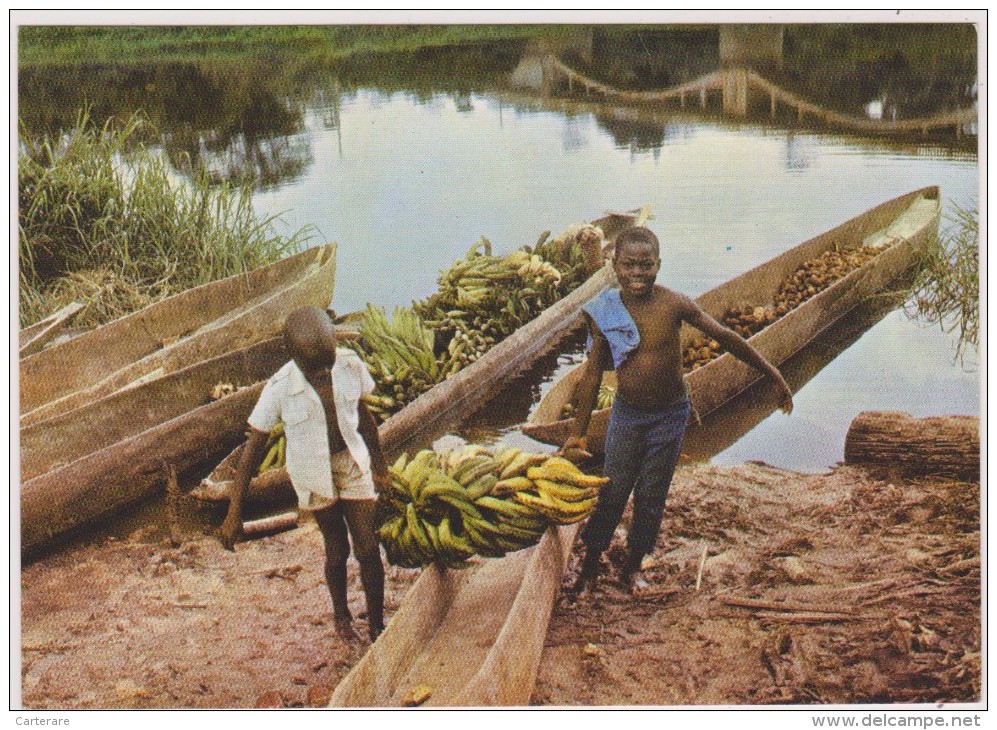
368,432
250,460
587,389
738,347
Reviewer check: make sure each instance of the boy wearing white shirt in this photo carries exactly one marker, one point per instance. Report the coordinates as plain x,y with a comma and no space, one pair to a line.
334,457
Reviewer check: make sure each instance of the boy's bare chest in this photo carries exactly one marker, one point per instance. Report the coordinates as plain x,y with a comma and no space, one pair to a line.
658,325
327,398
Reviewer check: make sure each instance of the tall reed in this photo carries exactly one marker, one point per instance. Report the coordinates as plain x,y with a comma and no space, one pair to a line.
104,218
947,288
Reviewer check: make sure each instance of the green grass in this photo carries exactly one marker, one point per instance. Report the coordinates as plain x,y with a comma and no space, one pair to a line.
104,220
46,45
947,289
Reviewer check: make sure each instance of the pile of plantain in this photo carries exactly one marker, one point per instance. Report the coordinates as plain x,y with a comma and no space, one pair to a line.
811,278
481,300
448,507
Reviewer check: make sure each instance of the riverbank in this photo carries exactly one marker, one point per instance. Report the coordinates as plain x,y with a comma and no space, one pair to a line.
879,581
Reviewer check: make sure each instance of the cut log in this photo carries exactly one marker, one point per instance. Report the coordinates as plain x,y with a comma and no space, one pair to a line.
270,525
947,446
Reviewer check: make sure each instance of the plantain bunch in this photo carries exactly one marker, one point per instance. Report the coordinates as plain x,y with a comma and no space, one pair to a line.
276,449
399,355
446,508
604,399
482,298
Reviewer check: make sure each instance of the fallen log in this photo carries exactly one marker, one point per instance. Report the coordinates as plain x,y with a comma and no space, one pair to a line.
947,446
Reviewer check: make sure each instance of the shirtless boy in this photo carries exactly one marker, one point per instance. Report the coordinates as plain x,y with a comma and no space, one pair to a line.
635,329
334,457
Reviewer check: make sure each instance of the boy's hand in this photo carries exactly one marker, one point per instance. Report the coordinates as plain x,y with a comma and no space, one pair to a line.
230,531
575,449
382,482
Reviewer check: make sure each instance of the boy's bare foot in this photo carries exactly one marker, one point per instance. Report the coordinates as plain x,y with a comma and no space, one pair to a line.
636,582
344,627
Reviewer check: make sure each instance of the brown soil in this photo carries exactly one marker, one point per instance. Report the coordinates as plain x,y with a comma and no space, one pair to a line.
878,581
857,590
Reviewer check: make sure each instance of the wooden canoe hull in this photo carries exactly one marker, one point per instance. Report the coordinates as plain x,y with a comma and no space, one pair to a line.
722,379
33,338
122,463
449,403
174,333
63,439
474,636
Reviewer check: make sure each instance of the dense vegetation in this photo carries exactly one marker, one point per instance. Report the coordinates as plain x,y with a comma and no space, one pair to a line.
107,44
103,220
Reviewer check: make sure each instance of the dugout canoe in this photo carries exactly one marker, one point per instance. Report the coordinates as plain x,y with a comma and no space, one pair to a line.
172,334
79,466
906,222
33,338
449,403
474,637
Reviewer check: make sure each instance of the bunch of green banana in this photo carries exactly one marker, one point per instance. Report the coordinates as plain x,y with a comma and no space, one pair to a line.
481,300
467,344
472,280
400,357
448,507
276,449
605,398
403,342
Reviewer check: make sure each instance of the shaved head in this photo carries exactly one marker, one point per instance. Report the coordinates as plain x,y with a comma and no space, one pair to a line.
638,235
311,338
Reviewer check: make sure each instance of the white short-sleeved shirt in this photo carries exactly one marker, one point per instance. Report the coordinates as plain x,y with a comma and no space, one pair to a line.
289,397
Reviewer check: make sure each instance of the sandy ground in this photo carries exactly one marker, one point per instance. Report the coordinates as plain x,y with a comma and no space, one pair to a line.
847,587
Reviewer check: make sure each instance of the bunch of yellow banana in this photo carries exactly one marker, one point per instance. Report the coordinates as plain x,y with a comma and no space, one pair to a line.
276,449
560,491
448,507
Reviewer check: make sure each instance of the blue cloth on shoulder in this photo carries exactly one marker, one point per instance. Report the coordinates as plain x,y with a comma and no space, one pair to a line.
614,321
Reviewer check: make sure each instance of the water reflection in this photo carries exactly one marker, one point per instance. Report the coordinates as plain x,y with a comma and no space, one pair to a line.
246,120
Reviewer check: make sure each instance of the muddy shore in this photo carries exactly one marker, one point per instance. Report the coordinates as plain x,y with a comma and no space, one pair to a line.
845,587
